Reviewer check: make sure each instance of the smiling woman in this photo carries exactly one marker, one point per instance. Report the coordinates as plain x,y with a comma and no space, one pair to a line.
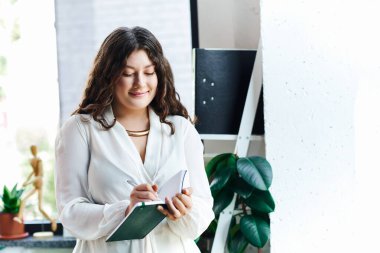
130,88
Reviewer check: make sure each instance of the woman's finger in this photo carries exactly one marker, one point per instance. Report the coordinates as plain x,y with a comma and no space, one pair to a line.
137,200
139,195
166,213
172,209
144,191
155,187
188,191
179,206
145,195
186,200
146,187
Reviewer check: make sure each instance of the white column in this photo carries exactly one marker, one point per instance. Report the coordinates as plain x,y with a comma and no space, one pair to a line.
310,90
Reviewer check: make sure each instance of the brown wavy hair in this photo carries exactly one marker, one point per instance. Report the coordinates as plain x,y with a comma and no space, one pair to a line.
107,70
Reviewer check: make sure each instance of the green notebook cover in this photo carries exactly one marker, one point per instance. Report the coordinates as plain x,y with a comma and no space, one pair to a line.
143,218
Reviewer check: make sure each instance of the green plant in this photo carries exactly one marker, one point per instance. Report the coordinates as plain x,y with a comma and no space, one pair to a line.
249,178
11,199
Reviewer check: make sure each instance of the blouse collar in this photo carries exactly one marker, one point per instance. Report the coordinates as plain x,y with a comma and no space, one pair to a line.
153,117
153,146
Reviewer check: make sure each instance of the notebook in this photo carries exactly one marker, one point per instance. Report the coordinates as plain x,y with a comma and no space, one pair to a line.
144,216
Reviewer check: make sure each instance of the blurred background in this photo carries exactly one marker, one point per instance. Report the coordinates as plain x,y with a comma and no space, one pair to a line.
29,99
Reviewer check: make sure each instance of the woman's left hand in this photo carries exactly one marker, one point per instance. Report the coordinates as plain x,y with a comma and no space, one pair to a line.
179,205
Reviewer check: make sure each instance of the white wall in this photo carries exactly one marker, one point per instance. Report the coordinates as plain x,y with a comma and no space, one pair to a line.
321,75
229,23
367,128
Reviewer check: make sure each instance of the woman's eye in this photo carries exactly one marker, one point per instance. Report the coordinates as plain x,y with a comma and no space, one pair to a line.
150,73
127,74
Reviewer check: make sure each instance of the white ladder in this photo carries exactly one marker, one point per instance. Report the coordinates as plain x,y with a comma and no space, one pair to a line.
242,144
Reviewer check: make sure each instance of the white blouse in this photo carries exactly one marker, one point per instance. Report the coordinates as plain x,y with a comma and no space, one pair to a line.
92,169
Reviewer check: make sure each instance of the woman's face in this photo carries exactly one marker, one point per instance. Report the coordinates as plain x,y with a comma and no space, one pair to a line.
138,83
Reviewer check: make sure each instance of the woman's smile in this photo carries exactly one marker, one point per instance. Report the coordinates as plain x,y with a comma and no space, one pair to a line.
138,93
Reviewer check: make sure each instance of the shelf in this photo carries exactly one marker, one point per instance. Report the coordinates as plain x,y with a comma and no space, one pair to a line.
31,242
229,137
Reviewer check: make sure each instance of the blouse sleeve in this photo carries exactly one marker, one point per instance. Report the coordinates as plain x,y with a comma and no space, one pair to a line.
201,214
78,214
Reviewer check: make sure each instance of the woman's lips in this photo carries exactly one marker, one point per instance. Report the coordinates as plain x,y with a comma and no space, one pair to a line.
138,93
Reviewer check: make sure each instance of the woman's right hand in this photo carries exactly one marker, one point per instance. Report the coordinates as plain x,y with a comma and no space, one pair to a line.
142,193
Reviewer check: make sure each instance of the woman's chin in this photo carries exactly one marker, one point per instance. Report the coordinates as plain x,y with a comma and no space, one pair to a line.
138,105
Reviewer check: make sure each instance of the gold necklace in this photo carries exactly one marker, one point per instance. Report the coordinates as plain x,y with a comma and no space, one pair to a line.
138,133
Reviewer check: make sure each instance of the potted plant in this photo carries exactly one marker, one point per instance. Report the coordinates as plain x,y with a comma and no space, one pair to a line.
11,201
249,178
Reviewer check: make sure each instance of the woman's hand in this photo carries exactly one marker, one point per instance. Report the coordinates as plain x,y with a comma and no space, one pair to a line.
142,193
179,205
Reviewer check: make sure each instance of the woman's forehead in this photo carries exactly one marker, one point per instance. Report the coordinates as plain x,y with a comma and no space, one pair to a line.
140,59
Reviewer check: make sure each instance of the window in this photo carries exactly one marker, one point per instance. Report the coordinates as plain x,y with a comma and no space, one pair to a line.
29,105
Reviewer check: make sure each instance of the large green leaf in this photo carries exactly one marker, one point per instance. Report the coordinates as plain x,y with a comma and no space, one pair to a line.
261,201
211,165
224,170
256,171
237,243
234,228
222,200
241,187
256,229
212,227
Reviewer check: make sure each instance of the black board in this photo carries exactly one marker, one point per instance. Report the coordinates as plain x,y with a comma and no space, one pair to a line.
221,84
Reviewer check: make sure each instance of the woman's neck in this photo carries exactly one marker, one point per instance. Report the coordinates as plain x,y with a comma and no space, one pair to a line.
134,120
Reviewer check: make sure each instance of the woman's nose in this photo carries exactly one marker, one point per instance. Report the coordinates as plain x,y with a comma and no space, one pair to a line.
139,79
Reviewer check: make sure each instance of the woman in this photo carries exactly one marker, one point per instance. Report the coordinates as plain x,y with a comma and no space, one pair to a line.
130,127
